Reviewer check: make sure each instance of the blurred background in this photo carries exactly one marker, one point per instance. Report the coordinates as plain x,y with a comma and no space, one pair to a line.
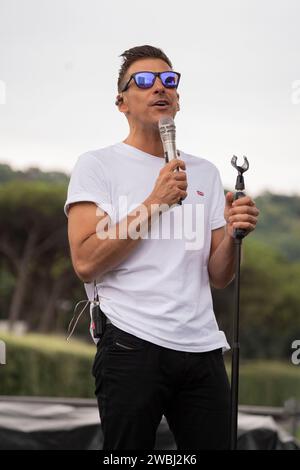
239,93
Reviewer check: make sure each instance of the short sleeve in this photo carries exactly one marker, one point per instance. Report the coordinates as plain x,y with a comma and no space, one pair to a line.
218,206
88,183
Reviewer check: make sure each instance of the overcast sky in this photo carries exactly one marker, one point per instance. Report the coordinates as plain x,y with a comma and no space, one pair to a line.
239,60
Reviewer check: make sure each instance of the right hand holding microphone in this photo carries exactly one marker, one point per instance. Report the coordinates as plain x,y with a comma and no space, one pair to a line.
170,186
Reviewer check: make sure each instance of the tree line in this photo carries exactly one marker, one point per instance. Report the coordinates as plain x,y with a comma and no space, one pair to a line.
38,284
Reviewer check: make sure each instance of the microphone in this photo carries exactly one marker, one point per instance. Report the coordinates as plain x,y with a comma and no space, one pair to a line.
167,130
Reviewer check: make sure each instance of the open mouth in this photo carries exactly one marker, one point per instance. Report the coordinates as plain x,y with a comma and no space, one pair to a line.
161,104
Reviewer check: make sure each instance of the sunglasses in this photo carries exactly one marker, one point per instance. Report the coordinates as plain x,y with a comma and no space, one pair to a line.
146,79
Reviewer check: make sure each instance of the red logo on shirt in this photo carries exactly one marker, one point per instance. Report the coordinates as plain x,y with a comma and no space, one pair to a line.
200,193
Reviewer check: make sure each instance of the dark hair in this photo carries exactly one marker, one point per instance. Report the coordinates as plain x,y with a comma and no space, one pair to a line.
139,52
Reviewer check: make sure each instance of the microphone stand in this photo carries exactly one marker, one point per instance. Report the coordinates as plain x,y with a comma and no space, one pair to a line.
239,234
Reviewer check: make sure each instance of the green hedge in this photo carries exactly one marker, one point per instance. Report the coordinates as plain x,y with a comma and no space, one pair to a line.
268,383
41,365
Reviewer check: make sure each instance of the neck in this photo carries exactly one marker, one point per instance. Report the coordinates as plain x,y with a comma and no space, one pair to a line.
146,139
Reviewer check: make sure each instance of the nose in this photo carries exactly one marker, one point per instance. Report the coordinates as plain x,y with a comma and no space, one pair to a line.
158,86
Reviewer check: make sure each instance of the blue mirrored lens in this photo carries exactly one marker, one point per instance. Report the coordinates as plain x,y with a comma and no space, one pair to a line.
169,79
144,79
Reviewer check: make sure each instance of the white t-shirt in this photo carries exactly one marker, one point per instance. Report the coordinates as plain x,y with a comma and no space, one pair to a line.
161,292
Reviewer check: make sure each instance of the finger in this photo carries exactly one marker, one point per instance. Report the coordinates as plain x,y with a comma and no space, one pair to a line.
244,210
182,194
229,198
179,176
243,201
244,225
169,167
243,218
176,163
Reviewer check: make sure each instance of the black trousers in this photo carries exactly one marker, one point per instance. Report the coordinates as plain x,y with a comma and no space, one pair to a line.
137,382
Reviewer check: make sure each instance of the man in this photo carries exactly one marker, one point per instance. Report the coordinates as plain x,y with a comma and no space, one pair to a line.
161,352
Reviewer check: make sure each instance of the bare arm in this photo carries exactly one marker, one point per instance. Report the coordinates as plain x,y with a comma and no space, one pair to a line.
221,266
92,254
95,250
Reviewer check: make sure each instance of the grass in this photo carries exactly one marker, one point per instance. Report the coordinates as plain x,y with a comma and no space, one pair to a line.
49,365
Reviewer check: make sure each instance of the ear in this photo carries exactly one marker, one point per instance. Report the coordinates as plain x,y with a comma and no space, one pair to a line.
119,100
178,105
121,103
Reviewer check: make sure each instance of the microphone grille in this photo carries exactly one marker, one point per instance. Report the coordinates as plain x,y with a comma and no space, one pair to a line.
166,120
167,128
